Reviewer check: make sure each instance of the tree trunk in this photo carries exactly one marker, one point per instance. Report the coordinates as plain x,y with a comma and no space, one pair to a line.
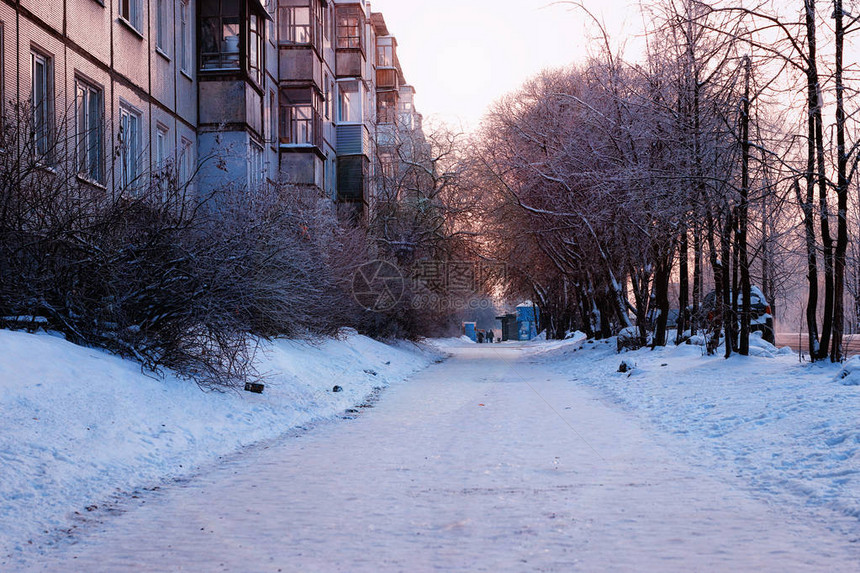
811,262
683,282
716,324
698,277
842,196
743,213
662,275
817,173
728,303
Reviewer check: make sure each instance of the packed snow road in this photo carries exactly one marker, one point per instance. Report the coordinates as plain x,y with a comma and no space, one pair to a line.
490,461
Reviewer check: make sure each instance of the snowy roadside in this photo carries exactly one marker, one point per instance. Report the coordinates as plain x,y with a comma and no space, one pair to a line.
78,425
789,430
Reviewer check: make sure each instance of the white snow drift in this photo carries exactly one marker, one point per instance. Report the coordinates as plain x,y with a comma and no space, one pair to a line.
80,424
789,429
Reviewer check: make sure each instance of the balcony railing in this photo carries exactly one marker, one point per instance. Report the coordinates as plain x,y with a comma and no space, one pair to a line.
386,78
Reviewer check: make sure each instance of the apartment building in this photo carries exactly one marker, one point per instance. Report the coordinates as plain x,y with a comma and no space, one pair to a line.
238,92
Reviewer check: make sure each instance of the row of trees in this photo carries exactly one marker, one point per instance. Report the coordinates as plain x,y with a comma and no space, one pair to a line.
708,164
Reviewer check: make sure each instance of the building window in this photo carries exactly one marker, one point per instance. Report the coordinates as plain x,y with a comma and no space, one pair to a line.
185,36
295,23
302,22
129,146
349,102
219,35
41,102
273,117
255,161
386,166
186,161
89,131
271,31
349,27
386,107
162,19
255,49
326,26
385,56
299,117
162,162
327,96
129,10
161,143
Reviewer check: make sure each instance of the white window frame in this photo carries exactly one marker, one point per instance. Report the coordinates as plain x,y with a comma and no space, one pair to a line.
186,159
129,138
256,47
186,46
351,108
41,103
326,96
255,164
89,131
161,21
130,12
161,159
162,134
273,117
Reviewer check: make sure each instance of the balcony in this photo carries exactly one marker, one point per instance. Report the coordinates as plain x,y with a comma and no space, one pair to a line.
300,126
386,78
351,175
352,139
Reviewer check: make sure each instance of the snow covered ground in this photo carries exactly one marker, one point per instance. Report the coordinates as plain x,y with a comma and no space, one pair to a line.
789,430
79,426
510,457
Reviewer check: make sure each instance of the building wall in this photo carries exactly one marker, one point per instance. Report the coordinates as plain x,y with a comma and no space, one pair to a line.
87,41
204,121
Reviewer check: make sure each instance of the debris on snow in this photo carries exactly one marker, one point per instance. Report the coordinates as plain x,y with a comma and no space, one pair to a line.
626,366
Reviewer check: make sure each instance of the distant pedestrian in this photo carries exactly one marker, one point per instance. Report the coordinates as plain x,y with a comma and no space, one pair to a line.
480,337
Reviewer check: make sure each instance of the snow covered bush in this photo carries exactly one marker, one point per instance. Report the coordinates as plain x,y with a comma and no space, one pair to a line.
850,374
630,339
166,276
159,274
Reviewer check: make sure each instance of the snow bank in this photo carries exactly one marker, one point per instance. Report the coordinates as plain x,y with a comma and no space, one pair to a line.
789,429
850,374
80,424
444,343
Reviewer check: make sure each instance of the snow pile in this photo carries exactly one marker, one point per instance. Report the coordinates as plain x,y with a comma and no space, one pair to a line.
80,424
444,343
850,374
788,428
572,343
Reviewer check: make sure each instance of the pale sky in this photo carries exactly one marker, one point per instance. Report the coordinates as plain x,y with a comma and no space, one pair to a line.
461,55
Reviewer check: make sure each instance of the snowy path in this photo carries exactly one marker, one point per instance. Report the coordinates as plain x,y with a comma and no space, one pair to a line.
487,462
